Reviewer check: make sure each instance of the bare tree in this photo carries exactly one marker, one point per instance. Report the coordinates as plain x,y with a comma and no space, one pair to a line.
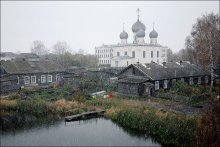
38,48
61,47
203,44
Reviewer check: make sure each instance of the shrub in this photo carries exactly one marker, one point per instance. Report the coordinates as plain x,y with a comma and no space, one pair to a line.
168,128
36,107
209,127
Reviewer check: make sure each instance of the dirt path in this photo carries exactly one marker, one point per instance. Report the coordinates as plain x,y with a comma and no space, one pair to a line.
186,109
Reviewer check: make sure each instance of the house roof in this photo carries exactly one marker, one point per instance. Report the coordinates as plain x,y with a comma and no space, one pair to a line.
20,67
171,70
133,79
27,55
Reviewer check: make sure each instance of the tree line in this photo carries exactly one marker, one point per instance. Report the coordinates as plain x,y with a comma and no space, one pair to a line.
202,46
61,54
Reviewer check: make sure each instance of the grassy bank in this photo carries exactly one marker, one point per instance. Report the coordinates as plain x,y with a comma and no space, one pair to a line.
168,127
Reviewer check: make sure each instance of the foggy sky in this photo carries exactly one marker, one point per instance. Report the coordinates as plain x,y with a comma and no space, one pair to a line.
84,25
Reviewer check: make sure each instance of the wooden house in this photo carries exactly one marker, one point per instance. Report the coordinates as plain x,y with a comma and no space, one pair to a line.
144,79
8,83
32,73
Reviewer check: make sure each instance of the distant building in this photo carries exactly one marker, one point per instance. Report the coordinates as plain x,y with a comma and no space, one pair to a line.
144,79
7,56
124,53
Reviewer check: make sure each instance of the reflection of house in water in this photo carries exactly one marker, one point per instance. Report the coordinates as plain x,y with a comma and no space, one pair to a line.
144,79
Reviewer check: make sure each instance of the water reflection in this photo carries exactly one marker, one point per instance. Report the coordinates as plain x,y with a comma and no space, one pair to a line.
92,132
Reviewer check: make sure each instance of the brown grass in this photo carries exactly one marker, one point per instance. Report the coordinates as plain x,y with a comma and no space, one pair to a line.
4,104
112,112
62,105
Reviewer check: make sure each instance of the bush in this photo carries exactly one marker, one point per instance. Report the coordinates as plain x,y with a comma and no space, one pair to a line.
36,107
209,127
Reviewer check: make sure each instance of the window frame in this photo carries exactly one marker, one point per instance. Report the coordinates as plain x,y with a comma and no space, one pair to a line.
206,79
26,82
49,77
144,54
199,82
33,82
133,54
157,85
165,83
41,77
191,81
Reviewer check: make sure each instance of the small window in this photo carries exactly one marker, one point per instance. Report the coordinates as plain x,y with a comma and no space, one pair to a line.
152,54
43,79
118,53
49,78
191,81
165,84
126,53
33,79
133,71
27,80
116,63
206,79
57,77
143,54
157,54
156,85
133,54
199,80
18,80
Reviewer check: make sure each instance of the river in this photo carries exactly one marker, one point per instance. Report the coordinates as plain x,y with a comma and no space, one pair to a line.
92,132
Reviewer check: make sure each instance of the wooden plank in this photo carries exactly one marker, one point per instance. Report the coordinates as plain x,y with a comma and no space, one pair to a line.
82,115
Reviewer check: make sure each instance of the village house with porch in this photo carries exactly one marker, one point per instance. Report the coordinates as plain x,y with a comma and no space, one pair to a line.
145,79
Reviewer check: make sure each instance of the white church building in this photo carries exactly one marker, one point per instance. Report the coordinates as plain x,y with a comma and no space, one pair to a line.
124,53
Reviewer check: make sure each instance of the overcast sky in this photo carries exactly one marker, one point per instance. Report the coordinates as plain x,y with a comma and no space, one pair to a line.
84,25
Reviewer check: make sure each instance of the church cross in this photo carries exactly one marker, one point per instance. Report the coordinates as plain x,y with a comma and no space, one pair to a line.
138,12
